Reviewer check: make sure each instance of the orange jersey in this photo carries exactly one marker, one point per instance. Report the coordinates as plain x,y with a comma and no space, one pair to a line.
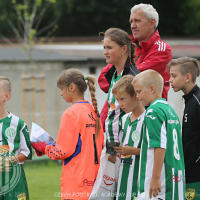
77,147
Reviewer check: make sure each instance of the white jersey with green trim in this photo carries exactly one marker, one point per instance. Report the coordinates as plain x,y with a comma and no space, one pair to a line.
14,133
114,114
162,129
129,167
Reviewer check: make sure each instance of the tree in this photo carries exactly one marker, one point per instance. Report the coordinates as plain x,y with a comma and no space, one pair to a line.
89,17
26,27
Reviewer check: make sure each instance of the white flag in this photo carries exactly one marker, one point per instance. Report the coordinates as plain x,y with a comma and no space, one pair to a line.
38,134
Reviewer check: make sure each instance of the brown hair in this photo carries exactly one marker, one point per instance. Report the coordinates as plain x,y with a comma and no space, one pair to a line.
124,85
74,76
6,84
150,77
121,38
187,65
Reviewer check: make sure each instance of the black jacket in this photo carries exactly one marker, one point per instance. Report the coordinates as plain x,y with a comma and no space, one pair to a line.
191,135
128,69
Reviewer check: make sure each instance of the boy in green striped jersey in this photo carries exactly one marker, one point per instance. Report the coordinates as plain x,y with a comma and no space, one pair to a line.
15,136
161,171
130,129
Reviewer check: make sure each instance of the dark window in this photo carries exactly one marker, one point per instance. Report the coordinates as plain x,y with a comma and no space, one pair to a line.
92,70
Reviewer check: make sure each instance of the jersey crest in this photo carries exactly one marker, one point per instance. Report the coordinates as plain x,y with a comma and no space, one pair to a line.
190,194
135,135
10,132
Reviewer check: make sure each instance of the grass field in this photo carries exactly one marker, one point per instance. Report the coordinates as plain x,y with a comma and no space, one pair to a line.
43,180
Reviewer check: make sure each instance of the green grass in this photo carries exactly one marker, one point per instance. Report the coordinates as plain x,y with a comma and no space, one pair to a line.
43,179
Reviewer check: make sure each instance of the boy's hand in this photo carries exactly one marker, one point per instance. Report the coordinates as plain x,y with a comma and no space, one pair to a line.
123,150
155,187
155,184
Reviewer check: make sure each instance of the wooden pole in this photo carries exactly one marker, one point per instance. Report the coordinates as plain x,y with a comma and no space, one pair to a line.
33,98
24,87
43,100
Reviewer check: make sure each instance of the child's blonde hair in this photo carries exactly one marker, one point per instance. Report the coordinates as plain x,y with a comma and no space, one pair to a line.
74,76
187,65
122,38
150,77
124,85
6,84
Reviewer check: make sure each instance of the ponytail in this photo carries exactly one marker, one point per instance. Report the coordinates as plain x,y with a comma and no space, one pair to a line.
90,83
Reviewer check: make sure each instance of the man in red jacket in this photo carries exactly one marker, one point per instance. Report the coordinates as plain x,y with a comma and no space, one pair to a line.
151,51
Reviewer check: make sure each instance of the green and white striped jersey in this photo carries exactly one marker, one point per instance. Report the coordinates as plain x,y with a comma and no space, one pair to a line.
162,129
129,167
14,133
114,114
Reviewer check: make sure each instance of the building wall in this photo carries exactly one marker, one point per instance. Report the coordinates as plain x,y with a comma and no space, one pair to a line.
55,105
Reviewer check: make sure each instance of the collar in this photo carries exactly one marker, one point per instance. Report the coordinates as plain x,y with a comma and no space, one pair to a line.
146,45
161,100
190,94
112,70
82,101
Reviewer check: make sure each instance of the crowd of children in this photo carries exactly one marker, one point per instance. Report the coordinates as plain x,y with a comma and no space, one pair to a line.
156,159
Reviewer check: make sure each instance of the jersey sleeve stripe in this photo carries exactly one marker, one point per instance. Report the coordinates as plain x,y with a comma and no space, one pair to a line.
13,124
161,45
196,99
164,47
23,146
77,151
163,137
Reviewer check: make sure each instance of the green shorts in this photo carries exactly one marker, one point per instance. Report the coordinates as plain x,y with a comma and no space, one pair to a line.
20,191
192,191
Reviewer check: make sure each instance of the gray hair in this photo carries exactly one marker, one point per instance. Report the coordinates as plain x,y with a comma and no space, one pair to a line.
149,11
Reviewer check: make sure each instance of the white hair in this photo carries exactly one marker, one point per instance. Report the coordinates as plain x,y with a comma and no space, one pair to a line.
149,11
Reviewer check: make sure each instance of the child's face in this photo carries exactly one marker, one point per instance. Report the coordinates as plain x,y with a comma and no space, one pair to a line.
143,94
112,51
126,102
177,80
64,92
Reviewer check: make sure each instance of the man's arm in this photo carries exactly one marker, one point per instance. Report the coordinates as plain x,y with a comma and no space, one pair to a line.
155,184
156,60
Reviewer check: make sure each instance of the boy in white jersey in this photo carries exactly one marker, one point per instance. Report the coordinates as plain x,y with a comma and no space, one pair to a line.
14,136
130,129
161,171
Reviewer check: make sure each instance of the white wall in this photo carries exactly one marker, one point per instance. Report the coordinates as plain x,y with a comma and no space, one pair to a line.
54,103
